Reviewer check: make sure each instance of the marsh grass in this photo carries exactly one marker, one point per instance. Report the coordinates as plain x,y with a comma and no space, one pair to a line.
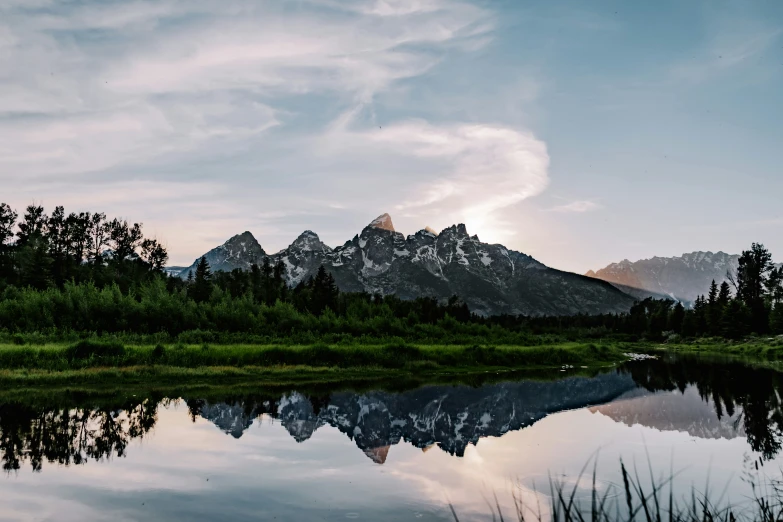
638,500
92,355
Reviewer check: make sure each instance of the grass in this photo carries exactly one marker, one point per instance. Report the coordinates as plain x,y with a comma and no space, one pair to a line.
96,361
636,500
91,361
759,348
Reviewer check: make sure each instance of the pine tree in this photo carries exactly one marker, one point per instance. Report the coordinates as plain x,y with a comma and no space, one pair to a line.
775,286
202,282
776,319
7,223
676,317
753,273
724,296
713,310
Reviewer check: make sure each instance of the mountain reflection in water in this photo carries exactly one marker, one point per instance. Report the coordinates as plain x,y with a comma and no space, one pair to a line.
706,399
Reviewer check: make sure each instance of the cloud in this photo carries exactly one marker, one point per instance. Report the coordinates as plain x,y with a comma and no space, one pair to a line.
171,76
577,207
250,110
451,173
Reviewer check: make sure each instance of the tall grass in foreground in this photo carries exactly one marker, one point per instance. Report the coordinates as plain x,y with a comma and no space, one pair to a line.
637,501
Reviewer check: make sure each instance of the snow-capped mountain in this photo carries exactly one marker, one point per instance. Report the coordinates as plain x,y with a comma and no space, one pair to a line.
681,278
490,278
452,417
241,251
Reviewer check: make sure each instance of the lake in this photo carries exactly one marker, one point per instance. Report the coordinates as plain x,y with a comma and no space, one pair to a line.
317,453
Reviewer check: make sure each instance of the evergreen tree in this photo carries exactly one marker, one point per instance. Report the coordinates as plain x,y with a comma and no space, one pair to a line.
775,286
736,320
753,273
713,310
689,324
676,318
724,296
776,319
7,224
324,292
201,289
279,288
701,311
256,285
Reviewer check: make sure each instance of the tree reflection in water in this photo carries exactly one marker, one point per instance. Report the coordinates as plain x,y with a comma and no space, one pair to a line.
730,385
70,435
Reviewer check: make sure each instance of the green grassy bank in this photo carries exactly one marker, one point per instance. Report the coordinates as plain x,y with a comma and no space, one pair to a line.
91,361
106,361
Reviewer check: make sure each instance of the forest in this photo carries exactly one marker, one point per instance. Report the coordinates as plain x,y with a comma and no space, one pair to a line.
65,276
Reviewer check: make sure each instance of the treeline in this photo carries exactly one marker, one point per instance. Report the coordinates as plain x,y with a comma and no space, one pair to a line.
43,251
62,274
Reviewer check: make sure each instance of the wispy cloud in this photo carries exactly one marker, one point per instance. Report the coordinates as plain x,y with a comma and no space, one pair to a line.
577,207
462,172
161,95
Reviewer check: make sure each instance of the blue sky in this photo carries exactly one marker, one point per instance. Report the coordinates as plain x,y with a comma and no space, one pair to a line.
578,132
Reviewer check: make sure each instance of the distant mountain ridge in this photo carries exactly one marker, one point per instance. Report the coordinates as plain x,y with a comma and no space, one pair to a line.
682,278
489,277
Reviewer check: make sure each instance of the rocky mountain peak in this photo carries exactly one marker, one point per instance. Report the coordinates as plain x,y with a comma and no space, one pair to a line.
245,237
430,230
384,222
309,241
455,231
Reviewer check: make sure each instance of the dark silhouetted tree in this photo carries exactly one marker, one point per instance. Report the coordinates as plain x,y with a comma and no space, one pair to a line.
201,289
753,272
154,254
32,226
7,224
713,310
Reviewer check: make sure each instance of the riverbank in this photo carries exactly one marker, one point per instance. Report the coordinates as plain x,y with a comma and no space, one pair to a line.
96,362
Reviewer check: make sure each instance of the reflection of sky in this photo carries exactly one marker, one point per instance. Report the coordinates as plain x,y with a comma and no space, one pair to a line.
193,471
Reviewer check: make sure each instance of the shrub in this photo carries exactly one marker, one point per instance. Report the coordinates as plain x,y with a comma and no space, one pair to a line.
87,349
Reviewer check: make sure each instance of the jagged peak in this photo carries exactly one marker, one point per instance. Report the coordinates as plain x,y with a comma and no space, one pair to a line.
244,236
383,222
308,234
459,230
430,230
309,240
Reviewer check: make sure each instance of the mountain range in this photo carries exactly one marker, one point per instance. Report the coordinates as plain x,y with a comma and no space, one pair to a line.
490,278
682,278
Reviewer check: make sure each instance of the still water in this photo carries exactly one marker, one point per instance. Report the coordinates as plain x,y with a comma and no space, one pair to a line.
320,454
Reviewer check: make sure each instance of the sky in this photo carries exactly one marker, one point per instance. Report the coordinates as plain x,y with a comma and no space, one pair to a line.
581,133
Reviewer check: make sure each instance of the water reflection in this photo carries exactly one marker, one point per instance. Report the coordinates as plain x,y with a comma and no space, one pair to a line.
450,416
70,436
750,396
706,399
